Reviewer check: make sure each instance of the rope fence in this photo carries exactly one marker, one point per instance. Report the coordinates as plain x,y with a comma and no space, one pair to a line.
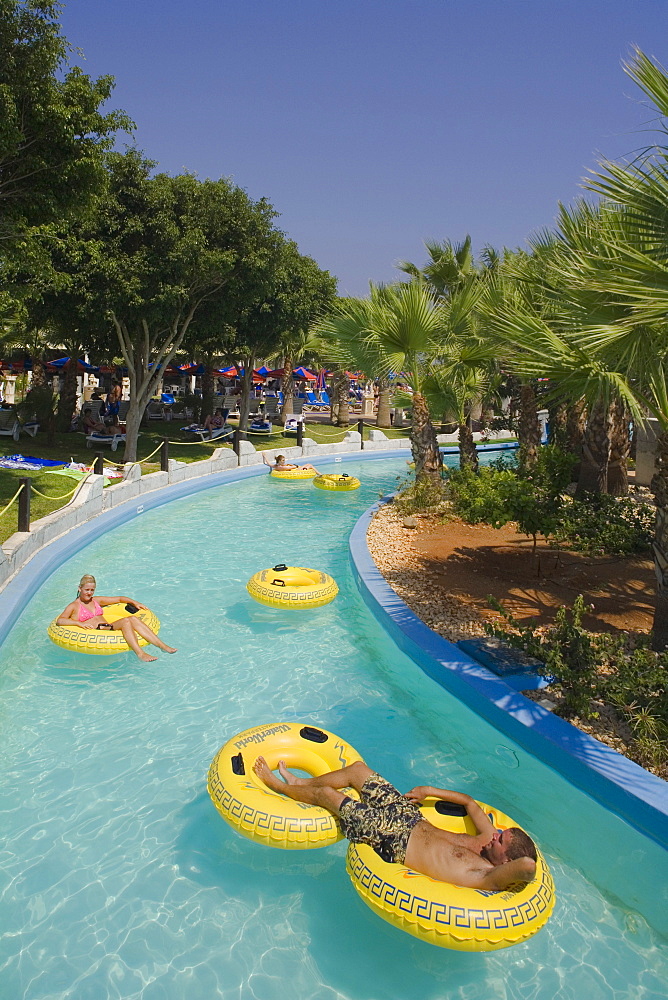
5,509
64,496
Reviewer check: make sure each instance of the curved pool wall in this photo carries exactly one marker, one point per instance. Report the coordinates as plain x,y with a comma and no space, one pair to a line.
634,794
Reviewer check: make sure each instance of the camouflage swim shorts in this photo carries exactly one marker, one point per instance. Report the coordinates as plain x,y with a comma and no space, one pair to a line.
383,819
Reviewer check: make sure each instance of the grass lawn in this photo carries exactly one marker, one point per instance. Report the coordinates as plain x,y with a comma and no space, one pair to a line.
72,447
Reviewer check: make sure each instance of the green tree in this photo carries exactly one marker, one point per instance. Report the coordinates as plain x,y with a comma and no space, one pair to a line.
52,131
398,328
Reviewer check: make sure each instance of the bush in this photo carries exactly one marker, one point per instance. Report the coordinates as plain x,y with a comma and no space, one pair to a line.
417,497
500,493
605,525
591,667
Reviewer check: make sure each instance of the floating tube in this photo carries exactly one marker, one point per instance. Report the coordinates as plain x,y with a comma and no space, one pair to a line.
300,473
448,915
332,482
292,587
257,812
104,642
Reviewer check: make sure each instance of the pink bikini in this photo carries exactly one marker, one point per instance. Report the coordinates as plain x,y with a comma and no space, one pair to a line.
85,614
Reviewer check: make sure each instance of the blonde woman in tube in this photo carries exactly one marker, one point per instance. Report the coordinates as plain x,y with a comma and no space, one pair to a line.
86,612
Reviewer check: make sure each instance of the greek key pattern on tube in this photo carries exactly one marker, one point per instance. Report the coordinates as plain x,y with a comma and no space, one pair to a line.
459,917
245,816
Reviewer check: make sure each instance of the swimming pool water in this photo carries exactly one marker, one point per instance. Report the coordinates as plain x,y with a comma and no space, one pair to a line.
119,879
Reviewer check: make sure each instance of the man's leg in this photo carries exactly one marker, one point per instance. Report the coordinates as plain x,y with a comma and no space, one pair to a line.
320,791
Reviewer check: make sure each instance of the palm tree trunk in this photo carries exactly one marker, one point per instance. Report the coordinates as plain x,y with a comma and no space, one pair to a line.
557,423
528,428
343,400
659,487
468,453
620,446
424,446
595,452
383,414
287,388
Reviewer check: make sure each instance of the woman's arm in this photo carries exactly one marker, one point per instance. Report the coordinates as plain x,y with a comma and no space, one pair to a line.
119,599
68,614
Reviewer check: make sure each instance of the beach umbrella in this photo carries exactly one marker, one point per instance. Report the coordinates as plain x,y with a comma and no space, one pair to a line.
263,370
304,373
82,366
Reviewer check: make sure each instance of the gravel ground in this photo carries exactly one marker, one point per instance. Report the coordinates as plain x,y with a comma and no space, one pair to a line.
397,559
390,546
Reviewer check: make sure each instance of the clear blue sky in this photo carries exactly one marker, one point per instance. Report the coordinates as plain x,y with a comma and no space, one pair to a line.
373,124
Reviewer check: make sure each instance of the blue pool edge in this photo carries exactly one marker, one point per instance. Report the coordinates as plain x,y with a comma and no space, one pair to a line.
636,795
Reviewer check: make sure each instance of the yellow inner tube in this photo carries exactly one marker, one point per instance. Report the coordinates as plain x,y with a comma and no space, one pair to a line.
263,815
294,474
104,642
449,915
292,587
331,482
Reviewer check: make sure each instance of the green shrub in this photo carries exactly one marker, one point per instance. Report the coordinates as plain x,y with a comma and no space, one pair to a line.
416,497
591,667
604,525
499,493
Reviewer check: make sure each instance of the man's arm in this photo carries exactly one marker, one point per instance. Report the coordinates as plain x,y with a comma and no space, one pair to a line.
482,822
500,877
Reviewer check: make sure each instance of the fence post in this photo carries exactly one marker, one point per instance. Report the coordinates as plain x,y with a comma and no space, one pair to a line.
360,428
236,438
98,466
300,433
24,504
164,455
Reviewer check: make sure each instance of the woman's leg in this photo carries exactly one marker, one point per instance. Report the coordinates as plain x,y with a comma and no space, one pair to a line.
145,632
124,626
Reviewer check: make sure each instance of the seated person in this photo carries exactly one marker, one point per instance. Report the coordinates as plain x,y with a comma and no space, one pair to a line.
215,422
392,825
280,465
92,426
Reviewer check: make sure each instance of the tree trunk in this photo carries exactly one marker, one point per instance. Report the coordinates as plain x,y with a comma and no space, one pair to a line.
424,446
593,476
557,423
620,446
576,420
659,487
468,453
68,395
246,389
383,414
287,388
39,377
343,400
528,428
207,388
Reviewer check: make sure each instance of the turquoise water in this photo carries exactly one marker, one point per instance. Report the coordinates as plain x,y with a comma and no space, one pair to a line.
118,877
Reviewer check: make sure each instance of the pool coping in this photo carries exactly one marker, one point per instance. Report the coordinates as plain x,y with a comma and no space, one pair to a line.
636,795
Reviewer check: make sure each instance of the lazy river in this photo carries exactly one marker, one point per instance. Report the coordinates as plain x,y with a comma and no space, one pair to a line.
119,879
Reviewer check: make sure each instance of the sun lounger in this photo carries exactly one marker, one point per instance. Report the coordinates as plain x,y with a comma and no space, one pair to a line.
113,439
205,435
9,424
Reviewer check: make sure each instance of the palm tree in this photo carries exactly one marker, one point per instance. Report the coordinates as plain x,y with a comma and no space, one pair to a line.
398,328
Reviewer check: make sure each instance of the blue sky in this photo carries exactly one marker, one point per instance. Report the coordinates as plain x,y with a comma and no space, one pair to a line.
370,125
